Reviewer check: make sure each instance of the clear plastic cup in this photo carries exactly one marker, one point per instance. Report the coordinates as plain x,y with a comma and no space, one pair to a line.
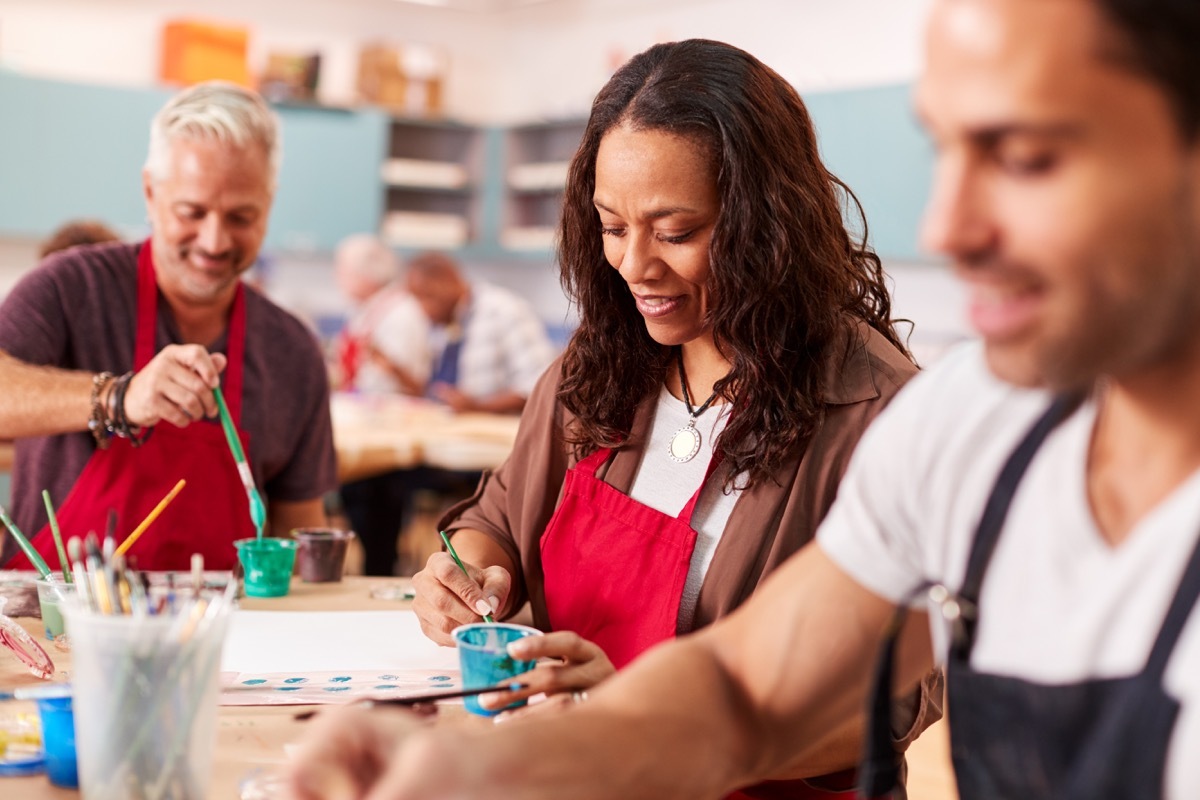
321,553
484,660
267,565
145,697
51,593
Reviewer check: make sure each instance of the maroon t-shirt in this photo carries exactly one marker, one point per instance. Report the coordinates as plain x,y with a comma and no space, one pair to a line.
77,310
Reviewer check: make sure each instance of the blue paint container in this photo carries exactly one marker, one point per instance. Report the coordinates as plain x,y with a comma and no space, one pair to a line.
484,660
58,738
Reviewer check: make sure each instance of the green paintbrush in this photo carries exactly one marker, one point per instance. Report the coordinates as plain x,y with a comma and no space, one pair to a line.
34,558
258,511
457,560
58,542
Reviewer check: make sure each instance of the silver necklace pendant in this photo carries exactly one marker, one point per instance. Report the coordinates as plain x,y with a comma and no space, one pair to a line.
685,443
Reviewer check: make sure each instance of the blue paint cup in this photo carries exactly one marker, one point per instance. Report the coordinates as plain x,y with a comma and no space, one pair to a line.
267,564
484,660
58,739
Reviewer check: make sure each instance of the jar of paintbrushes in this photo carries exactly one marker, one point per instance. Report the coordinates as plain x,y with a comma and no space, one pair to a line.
145,691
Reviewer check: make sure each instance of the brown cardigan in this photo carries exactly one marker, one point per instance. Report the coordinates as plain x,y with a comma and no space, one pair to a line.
769,522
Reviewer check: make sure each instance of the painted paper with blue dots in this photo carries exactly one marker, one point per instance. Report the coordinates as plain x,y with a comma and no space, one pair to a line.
281,688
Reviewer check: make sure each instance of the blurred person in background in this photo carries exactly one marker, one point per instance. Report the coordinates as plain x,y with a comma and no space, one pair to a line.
487,345
382,348
75,232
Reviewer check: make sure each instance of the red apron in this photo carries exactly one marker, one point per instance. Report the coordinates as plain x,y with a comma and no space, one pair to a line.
614,572
212,510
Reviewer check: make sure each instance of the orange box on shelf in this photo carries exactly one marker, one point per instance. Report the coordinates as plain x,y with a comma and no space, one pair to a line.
200,51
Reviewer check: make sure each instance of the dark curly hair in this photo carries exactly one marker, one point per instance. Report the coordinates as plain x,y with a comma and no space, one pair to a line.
786,279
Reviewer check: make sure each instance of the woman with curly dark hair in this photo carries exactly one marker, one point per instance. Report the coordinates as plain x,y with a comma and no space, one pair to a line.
734,342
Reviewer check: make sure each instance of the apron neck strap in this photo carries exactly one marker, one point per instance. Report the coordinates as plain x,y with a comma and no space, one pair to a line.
147,327
987,534
686,514
1177,616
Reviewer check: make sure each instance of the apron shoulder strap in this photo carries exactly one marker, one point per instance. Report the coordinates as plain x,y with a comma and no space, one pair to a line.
987,534
879,772
1177,616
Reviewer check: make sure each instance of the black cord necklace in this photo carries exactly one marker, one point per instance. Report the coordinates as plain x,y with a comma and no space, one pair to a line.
686,441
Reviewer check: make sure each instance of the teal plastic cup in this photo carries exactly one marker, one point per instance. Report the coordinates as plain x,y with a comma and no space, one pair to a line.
58,739
51,594
484,660
267,565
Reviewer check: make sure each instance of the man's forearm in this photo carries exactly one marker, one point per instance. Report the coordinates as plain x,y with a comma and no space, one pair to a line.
42,401
674,726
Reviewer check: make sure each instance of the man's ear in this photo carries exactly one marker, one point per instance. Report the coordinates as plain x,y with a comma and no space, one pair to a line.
147,187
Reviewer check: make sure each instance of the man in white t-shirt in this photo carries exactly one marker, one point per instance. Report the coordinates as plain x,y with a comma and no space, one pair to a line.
1059,459
487,345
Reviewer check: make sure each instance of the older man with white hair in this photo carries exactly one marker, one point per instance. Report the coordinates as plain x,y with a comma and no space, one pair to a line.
112,353
382,348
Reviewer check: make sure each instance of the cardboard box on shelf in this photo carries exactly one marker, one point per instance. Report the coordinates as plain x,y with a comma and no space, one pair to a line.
194,51
403,80
290,77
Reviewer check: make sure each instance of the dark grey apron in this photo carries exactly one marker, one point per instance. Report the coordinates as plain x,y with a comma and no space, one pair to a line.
1013,739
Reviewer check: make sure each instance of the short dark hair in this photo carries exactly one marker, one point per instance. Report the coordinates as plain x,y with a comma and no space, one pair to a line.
76,232
1162,40
786,277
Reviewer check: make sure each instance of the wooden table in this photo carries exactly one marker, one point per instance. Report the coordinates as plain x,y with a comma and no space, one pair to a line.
373,435
248,737
252,737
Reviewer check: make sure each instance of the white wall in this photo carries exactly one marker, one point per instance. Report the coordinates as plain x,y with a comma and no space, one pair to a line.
547,59
561,54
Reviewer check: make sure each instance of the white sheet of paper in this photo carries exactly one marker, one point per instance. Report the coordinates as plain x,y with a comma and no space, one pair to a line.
301,642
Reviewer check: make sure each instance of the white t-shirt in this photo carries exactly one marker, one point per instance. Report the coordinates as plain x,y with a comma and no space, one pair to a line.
1058,604
393,323
667,485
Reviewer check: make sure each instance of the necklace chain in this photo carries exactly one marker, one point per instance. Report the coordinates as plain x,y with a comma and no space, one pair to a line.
687,399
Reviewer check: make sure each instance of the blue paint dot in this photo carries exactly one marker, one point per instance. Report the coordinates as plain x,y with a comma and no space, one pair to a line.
388,677
337,688
295,680
340,679
440,678
254,681
387,686
287,688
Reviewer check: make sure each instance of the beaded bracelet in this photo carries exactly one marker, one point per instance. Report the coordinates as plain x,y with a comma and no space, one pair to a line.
98,422
109,393
136,435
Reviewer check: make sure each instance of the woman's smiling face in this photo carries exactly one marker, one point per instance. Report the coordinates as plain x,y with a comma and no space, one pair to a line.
656,194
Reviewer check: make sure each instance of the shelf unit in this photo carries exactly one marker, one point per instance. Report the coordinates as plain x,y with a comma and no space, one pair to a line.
536,157
430,178
496,190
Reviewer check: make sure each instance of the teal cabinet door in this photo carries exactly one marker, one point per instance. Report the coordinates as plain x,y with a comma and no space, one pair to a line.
71,150
329,184
870,139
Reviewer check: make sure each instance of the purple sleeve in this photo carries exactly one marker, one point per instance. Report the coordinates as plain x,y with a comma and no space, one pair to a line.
31,319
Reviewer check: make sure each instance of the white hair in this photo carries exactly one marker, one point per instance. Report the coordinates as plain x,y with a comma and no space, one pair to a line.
366,256
218,111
